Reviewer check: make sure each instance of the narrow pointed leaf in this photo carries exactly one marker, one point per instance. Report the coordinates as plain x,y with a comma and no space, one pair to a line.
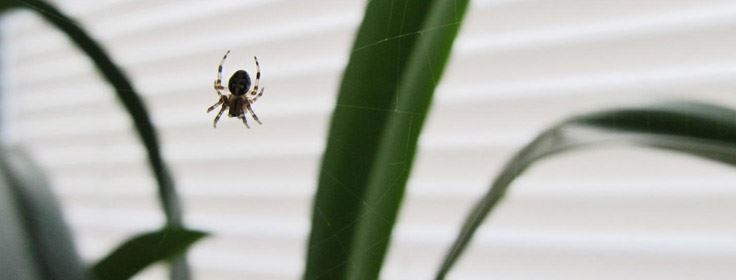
697,129
143,250
398,58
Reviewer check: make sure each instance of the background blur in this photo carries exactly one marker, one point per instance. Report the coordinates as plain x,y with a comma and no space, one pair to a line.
518,66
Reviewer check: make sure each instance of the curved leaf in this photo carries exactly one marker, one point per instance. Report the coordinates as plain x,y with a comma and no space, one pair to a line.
131,101
125,93
397,59
50,241
698,129
143,250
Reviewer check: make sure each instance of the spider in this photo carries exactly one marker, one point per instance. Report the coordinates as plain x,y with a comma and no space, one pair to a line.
240,98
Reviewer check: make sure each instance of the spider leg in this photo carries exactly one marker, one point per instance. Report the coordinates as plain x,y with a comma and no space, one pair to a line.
215,106
254,98
242,117
253,114
218,82
258,78
217,118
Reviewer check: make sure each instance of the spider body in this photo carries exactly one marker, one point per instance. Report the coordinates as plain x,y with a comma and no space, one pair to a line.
241,97
235,105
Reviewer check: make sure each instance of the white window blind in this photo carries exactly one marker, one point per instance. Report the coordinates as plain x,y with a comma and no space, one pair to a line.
518,66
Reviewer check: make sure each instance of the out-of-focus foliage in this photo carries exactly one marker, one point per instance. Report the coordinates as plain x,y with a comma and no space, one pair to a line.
697,129
131,101
138,252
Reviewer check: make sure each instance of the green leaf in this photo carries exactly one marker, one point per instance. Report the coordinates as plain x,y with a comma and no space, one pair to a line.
49,239
397,60
131,101
143,250
697,129
125,93
16,260
7,4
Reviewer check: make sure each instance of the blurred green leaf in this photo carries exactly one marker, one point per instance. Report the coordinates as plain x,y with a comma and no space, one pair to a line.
16,257
49,239
126,94
143,250
395,64
131,101
697,129
6,4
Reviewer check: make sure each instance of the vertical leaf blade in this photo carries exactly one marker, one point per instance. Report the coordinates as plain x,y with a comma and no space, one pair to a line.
49,239
398,57
16,260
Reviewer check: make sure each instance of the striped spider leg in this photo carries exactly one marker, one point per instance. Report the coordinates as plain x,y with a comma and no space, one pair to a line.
218,87
254,94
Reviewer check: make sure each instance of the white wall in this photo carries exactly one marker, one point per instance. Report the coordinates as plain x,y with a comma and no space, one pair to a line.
518,66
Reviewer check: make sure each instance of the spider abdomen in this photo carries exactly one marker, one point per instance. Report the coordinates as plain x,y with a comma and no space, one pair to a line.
239,83
236,106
